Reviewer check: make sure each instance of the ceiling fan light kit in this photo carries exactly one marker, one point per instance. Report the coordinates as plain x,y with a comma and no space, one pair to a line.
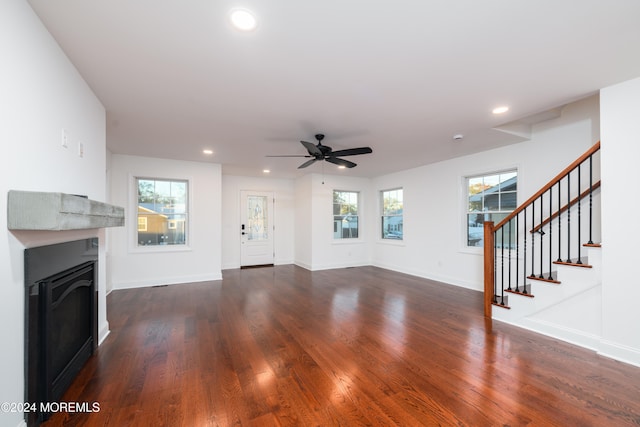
324,152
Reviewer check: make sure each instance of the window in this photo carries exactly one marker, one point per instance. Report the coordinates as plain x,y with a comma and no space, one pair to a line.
345,214
392,227
489,198
162,212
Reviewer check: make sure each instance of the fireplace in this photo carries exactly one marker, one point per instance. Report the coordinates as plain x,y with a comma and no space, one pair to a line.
61,319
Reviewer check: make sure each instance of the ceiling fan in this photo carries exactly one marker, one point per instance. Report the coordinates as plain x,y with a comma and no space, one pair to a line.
324,152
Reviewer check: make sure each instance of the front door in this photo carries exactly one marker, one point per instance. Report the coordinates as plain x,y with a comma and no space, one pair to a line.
256,228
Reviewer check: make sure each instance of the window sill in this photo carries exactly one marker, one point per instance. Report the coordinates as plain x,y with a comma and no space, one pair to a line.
159,249
391,242
347,241
472,250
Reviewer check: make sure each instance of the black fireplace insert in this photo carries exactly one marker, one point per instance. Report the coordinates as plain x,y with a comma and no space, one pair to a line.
60,319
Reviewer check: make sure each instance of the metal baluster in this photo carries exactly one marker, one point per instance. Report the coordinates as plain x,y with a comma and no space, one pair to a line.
541,239
495,268
569,217
579,221
533,239
502,266
550,231
559,222
524,246
518,252
590,199
509,267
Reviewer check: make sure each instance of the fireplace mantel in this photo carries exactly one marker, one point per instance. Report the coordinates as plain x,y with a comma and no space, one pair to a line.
33,210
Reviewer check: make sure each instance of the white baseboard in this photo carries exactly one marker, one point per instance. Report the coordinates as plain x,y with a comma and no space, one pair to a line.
562,333
620,352
303,265
604,348
168,281
236,265
103,333
321,267
444,279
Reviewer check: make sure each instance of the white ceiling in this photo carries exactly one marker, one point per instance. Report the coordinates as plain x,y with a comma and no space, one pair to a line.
399,76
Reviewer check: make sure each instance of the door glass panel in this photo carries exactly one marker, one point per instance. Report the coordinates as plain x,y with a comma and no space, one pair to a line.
257,218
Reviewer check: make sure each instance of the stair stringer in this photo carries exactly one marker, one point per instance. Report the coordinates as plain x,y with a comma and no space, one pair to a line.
570,311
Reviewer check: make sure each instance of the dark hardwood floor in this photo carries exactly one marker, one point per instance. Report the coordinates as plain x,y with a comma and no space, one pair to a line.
282,346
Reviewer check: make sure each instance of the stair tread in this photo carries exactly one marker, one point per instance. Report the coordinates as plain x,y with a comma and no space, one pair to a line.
542,279
513,291
501,306
573,263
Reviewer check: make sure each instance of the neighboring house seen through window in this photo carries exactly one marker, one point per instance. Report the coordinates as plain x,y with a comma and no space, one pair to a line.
392,214
162,212
345,214
489,198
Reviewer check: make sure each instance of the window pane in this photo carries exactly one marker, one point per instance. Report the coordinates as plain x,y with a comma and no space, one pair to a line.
257,218
475,186
345,227
146,191
392,214
392,227
508,201
392,202
492,202
475,229
509,181
179,194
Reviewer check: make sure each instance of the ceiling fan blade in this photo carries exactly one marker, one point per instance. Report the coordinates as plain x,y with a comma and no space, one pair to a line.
311,148
352,151
307,163
287,155
340,162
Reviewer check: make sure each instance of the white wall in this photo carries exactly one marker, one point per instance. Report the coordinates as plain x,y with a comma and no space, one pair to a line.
41,94
284,216
327,252
303,228
434,225
134,266
619,113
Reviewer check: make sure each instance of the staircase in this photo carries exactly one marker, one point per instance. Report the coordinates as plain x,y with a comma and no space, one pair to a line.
543,268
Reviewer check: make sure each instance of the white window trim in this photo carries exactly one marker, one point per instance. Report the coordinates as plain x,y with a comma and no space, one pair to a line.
132,236
352,240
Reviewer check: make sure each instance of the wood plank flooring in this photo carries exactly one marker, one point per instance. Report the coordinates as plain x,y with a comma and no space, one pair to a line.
282,346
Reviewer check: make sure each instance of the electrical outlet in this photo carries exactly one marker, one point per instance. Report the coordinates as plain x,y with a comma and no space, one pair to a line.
65,138
80,149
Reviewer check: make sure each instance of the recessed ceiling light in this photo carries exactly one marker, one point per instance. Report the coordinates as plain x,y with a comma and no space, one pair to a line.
243,20
500,110
266,171
207,152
